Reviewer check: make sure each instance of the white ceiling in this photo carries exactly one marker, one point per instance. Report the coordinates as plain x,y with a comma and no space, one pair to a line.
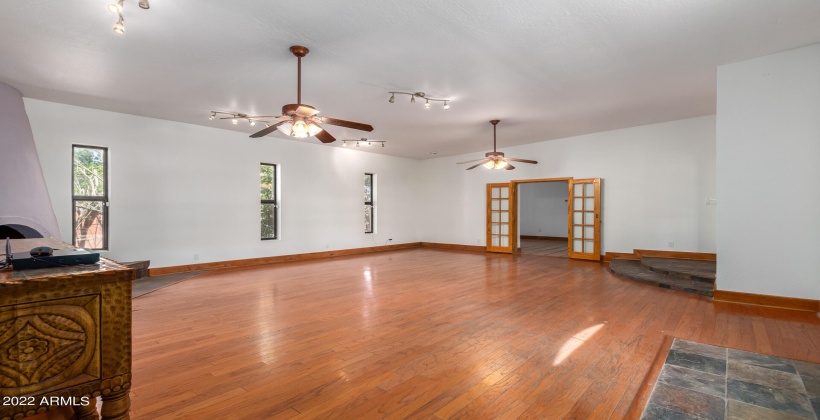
547,69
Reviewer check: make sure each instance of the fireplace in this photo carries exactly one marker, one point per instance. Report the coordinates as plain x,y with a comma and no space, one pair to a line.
25,206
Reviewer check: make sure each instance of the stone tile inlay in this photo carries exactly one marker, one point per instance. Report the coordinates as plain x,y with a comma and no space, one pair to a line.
696,362
709,382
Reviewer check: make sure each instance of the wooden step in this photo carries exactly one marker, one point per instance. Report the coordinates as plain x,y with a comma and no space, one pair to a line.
697,270
635,270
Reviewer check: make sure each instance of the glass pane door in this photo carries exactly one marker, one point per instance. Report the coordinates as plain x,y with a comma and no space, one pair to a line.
585,219
500,226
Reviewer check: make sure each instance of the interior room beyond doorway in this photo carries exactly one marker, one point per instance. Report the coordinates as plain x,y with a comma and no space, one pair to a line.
543,218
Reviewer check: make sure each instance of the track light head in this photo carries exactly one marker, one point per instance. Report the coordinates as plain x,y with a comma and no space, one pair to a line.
252,122
119,27
144,4
234,121
212,116
412,99
116,8
392,98
427,104
446,105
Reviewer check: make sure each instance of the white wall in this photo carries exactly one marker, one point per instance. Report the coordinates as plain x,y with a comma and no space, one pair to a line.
655,183
542,209
178,189
768,155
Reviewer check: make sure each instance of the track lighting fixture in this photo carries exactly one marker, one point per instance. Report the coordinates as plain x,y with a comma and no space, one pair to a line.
235,117
363,141
119,27
117,8
421,95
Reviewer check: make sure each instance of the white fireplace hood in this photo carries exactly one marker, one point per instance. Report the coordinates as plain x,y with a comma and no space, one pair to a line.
25,205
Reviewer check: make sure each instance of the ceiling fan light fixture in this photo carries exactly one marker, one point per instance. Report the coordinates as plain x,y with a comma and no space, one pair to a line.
299,129
313,129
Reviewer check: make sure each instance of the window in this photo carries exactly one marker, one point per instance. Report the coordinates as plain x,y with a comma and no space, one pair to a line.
89,198
269,207
369,208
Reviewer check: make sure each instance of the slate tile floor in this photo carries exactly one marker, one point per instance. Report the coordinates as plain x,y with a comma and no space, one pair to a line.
699,381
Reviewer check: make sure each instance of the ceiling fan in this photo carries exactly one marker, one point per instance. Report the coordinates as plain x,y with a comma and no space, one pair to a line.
496,160
300,120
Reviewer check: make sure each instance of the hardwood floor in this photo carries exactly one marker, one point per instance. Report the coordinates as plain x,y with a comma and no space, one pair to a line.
544,247
425,333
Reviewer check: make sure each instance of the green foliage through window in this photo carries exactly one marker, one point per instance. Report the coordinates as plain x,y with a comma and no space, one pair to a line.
268,206
90,197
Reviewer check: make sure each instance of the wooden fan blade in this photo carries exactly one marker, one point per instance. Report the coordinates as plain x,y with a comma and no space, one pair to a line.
325,137
471,161
347,124
479,164
267,130
523,160
509,167
306,111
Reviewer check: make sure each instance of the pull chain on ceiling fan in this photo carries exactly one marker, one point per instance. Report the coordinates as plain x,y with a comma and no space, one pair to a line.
300,120
496,160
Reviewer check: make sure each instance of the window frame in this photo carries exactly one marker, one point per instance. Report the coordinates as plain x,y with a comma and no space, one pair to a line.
274,201
371,203
104,198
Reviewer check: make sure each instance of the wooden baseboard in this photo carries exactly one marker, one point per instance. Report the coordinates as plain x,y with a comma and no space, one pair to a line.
474,248
609,256
703,256
638,253
276,259
641,398
798,304
545,238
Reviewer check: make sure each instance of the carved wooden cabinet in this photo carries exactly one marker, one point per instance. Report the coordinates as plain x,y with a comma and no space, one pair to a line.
65,334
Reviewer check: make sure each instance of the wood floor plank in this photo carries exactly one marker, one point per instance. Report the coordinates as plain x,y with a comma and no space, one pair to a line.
425,333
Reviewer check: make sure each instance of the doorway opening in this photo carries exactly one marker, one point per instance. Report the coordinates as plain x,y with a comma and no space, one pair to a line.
543,223
583,216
